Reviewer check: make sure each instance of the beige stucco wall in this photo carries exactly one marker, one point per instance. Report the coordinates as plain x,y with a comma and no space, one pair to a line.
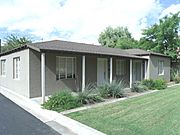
20,86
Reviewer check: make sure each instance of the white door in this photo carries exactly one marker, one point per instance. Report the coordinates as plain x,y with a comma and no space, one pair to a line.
137,71
102,71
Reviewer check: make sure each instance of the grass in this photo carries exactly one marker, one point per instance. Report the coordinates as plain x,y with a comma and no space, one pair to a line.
153,114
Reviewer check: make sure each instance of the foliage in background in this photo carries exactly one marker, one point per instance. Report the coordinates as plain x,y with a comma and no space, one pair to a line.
13,41
114,89
163,37
63,100
118,37
138,87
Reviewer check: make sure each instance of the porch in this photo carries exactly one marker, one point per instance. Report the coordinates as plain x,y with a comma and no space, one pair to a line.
62,70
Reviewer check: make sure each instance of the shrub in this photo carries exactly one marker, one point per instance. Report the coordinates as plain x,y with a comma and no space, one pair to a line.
155,84
160,84
138,87
104,90
173,74
88,99
114,89
61,101
149,83
177,79
89,95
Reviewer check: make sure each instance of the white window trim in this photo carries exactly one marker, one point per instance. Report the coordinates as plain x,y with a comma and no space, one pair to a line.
161,61
73,66
3,68
15,70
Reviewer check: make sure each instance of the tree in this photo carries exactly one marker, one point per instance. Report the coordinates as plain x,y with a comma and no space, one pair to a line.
13,41
163,37
118,37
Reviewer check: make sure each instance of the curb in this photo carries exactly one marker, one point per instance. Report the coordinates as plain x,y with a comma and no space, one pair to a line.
173,85
71,126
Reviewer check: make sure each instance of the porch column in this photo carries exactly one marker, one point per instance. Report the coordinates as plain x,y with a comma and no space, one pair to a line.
142,70
131,74
145,69
43,76
111,69
83,72
148,68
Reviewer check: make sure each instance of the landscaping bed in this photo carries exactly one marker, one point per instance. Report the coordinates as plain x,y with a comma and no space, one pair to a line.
65,100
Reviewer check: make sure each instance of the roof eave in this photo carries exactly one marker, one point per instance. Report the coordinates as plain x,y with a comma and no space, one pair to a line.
34,48
153,54
133,56
20,48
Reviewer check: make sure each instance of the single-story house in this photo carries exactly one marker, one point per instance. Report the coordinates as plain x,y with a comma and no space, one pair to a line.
43,68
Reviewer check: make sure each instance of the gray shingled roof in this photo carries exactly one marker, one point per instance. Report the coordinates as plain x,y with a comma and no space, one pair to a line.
67,46
140,52
58,45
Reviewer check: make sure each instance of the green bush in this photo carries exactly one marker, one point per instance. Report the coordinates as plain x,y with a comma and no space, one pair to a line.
88,99
89,95
61,101
173,73
114,89
177,79
149,83
160,84
138,87
104,90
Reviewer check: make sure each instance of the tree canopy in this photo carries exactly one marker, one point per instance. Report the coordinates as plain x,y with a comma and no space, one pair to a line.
118,37
163,36
13,41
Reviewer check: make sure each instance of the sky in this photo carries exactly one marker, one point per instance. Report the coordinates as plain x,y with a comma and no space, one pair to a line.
79,20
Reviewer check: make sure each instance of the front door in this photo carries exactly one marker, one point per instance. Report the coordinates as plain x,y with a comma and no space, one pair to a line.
137,71
102,71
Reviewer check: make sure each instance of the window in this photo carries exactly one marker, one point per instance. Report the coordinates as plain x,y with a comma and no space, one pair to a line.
16,67
65,67
120,67
3,68
161,67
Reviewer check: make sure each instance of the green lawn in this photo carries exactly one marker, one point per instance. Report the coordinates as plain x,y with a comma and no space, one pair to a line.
153,114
